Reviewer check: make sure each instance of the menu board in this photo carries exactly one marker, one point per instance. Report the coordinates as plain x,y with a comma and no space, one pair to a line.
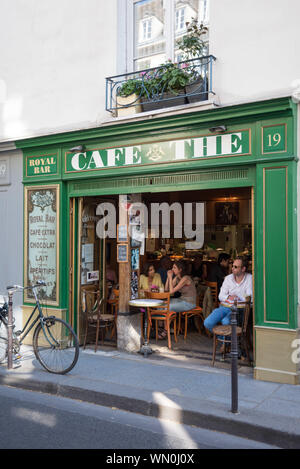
122,253
41,246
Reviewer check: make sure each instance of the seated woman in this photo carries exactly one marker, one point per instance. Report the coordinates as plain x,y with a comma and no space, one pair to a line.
183,284
150,280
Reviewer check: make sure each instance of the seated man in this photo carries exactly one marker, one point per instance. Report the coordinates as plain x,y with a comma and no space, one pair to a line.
237,285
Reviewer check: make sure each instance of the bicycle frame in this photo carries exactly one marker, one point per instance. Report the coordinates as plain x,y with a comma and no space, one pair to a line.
23,333
39,317
56,331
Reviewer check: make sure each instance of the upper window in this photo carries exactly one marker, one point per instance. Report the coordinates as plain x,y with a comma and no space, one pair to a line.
146,29
180,19
156,27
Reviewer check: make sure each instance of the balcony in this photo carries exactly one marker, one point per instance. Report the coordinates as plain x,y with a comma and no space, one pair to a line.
171,84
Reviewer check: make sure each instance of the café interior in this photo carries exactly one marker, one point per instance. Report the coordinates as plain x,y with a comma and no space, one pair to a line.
228,228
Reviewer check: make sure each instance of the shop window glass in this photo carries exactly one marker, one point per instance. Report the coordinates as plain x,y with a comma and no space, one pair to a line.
149,33
185,14
157,26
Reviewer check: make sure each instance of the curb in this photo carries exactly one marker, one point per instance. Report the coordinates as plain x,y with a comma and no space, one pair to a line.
221,423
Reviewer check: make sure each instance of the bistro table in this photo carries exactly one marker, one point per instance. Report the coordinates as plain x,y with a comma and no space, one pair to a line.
145,303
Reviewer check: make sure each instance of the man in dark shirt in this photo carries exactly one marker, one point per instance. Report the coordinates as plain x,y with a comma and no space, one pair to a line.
165,264
217,272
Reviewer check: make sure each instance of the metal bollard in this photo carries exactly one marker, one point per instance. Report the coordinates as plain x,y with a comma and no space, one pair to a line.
234,360
10,332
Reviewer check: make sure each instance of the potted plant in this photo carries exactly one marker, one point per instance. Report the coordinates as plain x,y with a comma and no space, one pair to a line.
152,91
165,83
193,46
175,78
128,97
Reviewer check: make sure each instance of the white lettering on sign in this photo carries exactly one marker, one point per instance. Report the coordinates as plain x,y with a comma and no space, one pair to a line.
75,162
158,152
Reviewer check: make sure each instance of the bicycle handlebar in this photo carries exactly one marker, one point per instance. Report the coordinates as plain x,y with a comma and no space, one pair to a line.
15,287
40,283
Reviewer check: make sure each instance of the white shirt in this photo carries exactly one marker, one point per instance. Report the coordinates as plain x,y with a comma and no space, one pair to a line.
231,287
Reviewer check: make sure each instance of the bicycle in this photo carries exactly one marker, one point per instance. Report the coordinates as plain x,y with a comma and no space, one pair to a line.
55,344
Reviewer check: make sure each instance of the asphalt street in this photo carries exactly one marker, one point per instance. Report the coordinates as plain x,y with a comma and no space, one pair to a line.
32,420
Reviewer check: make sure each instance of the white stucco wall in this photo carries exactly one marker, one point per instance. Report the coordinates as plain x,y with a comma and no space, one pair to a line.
298,208
57,54
11,230
255,42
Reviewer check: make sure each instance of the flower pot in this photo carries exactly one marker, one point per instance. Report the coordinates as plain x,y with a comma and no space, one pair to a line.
130,105
196,91
172,100
151,106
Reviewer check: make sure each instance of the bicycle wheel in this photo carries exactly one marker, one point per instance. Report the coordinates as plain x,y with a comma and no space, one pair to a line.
3,341
55,345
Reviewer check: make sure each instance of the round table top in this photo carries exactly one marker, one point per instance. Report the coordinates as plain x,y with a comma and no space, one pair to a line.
145,302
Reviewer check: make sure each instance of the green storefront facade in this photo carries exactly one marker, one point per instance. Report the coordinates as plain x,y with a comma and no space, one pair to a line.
257,149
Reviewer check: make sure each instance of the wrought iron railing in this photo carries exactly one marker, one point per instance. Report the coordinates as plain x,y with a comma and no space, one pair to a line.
171,84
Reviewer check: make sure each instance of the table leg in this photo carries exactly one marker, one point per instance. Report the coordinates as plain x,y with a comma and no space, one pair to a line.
145,348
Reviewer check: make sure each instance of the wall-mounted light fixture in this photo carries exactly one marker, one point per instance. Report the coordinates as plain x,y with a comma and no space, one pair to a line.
218,129
78,148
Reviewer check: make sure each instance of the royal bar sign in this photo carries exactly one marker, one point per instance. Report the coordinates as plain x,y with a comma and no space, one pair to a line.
38,165
230,144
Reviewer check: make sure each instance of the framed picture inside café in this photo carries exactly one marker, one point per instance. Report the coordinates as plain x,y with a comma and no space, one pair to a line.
122,234
227,213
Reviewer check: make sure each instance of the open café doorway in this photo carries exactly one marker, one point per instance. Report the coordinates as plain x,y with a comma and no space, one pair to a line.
228,229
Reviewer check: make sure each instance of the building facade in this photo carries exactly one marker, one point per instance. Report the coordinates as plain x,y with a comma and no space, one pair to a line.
240,135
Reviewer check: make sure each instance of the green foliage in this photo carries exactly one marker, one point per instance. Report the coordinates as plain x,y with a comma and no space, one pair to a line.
192,44
173,77
129,87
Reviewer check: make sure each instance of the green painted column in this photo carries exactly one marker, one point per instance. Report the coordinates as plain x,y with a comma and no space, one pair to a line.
276,272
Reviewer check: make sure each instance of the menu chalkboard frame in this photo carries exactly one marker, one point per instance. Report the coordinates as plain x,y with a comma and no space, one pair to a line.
55,189
120,257
122,233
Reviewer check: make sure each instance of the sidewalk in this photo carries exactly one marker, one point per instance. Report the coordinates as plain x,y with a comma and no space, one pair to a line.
186,392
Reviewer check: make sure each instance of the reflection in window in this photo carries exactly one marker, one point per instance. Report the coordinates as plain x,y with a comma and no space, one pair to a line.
203,11
185,12
158,24
147,29
149,33
180,19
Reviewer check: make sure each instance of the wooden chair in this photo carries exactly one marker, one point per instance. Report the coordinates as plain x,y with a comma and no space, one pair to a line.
222,334
197,311
92,305
214,292
162,313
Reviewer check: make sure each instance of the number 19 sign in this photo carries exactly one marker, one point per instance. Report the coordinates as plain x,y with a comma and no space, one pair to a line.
274,138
